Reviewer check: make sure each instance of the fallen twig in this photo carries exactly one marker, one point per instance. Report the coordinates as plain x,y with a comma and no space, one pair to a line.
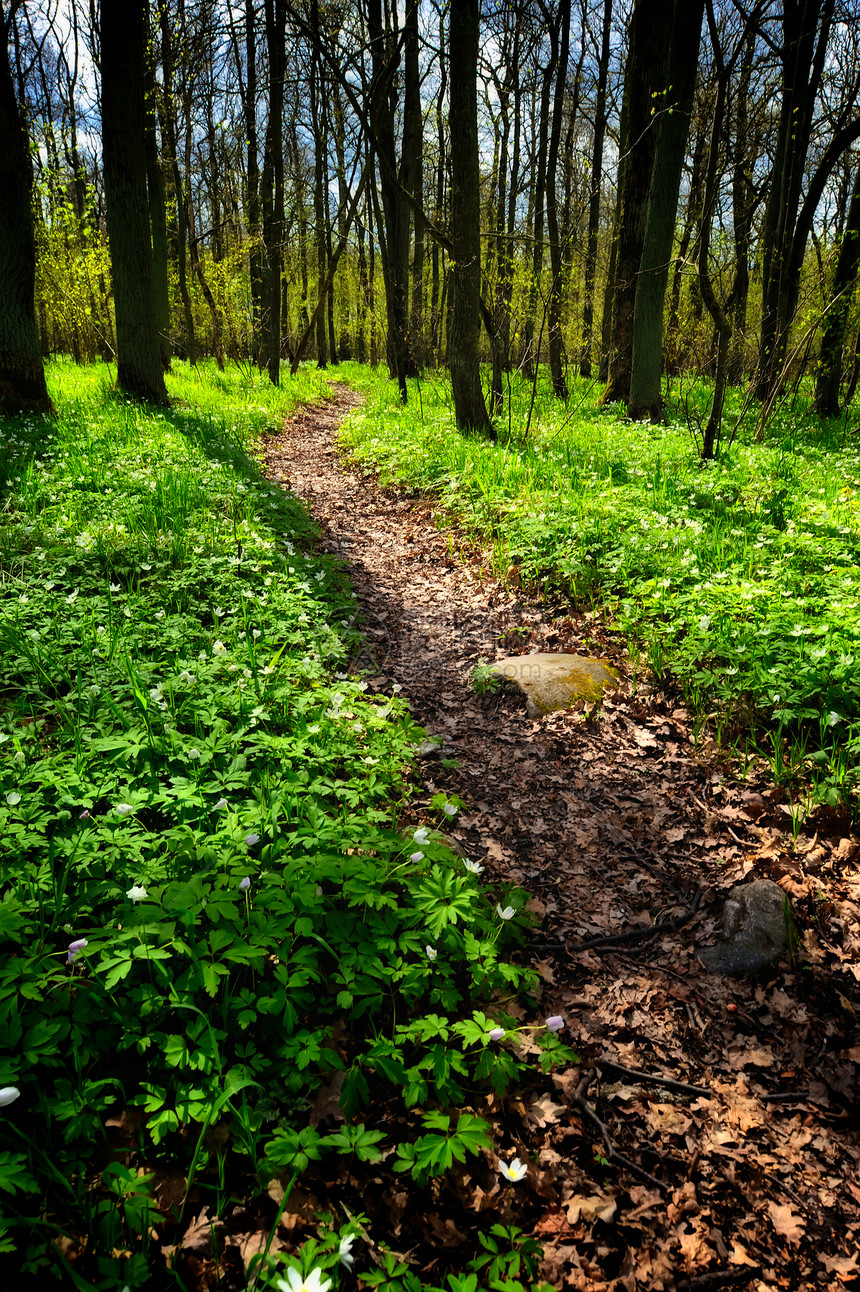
683,1087
579,1101
636,935
738,1274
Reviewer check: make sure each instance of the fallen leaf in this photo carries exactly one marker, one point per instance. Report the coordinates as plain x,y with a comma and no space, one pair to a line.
667,1119
598,1207
543,1112
198,1235
786,1222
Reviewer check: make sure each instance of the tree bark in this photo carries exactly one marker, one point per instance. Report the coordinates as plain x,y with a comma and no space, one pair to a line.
646,365
594,193
123,50
22,376
803,55
273,190
157,218
644,76
561,44
833,341
463,356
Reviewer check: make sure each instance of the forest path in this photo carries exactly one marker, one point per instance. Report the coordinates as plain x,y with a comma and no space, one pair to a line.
613,826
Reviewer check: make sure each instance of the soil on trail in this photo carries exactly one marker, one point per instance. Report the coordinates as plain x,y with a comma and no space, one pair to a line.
617,826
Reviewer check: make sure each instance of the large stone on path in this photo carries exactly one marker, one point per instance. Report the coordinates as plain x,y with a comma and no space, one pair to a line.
756,929
551,682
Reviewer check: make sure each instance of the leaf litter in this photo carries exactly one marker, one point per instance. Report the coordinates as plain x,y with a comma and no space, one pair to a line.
617,825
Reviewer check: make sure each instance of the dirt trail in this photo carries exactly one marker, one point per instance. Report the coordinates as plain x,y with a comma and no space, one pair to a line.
614,826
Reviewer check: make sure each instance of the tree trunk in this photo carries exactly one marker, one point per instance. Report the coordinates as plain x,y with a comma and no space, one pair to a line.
561,44
22,376
188,346
531,355
803,58
830,365
317,122
645,399
157,218
463,358
594,193
273,189
123,50
644,77
395,206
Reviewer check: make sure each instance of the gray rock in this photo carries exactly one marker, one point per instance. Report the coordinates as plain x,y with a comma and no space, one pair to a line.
756,929
550,682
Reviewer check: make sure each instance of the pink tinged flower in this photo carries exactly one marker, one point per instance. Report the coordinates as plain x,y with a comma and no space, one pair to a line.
222,803
75,949
416,856
85,815
496,1033
512,1171
8,1095
555,1023
449,809
245,883
251,839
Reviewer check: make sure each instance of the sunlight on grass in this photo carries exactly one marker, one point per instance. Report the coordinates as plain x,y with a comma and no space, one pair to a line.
208,906
739,578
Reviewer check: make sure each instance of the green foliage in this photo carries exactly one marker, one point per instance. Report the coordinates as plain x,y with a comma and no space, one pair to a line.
738,579
207,909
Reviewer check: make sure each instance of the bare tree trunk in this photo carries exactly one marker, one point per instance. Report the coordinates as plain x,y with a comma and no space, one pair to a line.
644,76
157,218
463,358
273,188
594,195
646,365
22,376
833,341
123,49
561,43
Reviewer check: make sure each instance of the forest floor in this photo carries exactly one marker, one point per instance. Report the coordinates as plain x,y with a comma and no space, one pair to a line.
616,825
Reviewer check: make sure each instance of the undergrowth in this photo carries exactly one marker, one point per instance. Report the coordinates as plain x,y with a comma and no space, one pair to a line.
737,579
210,909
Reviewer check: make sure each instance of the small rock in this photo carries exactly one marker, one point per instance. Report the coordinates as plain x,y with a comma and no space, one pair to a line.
550,682
756,923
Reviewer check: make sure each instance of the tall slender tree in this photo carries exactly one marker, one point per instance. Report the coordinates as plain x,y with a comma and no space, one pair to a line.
463,356
22,376
123,31
676,103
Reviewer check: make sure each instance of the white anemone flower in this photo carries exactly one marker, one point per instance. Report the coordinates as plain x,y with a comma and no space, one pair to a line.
136,893
295,1282
512,1171
8,1095
507,914
345,1254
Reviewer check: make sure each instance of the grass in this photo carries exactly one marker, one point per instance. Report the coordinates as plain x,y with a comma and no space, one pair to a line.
737,580
209,906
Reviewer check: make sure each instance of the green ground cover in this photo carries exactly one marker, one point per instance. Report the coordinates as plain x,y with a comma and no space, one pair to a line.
739,578
208,904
